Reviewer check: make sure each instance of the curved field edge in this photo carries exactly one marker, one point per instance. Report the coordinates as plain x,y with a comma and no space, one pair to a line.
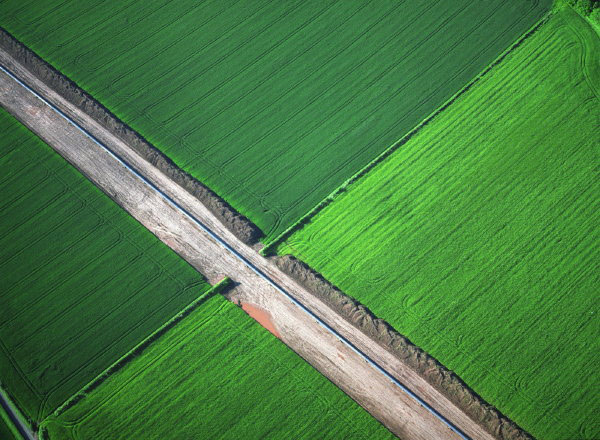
222,376
590,42
319,259
243,228
271,244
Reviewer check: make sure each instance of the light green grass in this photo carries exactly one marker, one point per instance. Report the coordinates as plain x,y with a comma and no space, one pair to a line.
273,104
81,281
216,374
478,238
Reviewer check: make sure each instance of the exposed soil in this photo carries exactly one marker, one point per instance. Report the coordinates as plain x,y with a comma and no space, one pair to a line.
323,349
262,317
243,228
426,366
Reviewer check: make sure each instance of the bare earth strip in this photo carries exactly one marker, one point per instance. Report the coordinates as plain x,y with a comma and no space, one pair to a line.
345,367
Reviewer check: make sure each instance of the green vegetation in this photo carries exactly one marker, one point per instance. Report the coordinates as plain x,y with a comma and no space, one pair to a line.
584,7
216,374
478,238
589,9
272,104
82,281
8,430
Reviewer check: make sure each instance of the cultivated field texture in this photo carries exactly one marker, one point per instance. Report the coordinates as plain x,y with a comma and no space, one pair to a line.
478,238
216,374
272,104
82,282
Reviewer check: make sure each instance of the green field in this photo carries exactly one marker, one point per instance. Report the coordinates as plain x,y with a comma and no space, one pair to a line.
271,104
478,238
216,374
82,282
8,431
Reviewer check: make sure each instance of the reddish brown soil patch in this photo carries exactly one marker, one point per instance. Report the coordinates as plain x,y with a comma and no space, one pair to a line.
262,317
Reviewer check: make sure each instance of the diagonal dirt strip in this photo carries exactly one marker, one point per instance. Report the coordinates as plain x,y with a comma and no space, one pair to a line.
365,382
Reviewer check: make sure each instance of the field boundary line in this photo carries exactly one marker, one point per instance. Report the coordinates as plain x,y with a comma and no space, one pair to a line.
420,361
586,51
379,330
6,421
241,226
307,327
15,415
138,349
269,248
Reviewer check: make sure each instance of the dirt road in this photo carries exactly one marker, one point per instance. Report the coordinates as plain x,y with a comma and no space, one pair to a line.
358,365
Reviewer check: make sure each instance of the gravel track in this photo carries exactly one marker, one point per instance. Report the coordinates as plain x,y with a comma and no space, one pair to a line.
393,393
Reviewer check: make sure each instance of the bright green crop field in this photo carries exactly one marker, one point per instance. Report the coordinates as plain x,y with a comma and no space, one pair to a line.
216,374
478,238
82,282
273,104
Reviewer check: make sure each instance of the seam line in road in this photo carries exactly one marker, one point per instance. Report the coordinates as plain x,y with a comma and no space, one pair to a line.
241,258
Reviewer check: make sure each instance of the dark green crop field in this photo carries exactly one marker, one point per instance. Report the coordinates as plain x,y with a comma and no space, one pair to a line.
478,238
8,431
82,282
272,104
216,375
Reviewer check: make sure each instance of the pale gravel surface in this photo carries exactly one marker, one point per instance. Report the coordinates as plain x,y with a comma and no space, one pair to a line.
370,388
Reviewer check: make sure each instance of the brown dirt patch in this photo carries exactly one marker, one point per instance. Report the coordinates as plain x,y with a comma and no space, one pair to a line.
262,317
